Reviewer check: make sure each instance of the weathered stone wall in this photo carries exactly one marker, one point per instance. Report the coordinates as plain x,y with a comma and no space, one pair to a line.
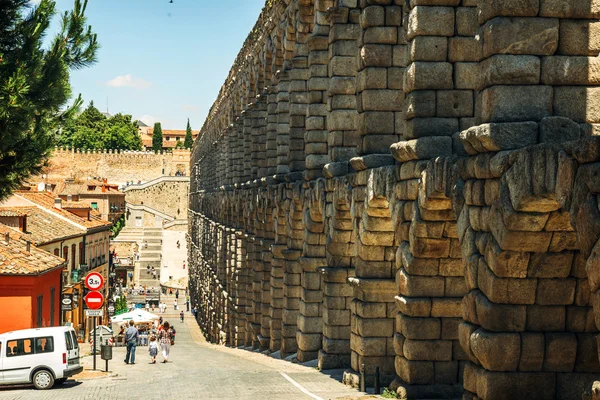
116,166
409,186
169,195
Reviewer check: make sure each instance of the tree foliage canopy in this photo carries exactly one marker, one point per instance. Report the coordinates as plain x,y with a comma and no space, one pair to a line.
34,82
188,143
92,130
157,138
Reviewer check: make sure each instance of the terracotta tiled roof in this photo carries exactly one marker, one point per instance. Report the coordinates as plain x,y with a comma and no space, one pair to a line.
43,226
75,204
166,144
66,188
16,260
46,201
174,132
11,213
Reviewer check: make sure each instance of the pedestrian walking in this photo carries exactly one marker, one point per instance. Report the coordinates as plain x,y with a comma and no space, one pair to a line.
175,304
177,294
181,315
195,312
160,321
153,349
165,340
154,274
187,304
147,306
131,337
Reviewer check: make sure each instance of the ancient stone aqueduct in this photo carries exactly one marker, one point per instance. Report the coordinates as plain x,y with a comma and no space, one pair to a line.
410,185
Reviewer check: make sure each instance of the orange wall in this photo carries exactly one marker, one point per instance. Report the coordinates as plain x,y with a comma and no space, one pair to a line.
18,300
16,313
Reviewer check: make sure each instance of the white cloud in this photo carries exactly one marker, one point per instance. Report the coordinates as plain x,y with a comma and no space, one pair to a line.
35,2
190,107
128,81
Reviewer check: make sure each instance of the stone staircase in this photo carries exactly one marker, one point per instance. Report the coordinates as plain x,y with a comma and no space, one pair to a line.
150,255
128,234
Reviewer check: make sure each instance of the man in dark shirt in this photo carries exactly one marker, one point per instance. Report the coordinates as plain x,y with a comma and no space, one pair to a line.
131,336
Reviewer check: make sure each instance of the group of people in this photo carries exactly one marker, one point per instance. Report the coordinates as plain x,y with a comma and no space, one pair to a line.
162,307
151,271
163,338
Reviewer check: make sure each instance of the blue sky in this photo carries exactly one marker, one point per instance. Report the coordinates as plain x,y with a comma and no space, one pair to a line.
160,61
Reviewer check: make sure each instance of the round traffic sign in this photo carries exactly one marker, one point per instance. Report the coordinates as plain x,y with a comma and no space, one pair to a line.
94,281
94,300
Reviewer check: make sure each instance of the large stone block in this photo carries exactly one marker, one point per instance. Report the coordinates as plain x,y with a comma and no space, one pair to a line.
496,351
536,36
574,9
515,103
430,21
428,75
510,8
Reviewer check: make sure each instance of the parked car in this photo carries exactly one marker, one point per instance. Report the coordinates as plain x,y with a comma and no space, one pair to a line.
40,356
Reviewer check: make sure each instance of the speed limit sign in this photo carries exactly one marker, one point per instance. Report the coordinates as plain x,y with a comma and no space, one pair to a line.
94,281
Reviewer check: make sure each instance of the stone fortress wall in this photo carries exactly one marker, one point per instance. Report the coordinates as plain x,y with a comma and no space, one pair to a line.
410,185
117,166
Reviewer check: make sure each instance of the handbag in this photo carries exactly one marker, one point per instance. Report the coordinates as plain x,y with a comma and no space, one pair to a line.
172,342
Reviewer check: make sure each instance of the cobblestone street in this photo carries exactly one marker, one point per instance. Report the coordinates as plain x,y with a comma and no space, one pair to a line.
198,370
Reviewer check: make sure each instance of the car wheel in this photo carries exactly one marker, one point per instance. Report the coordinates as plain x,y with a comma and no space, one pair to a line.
43,379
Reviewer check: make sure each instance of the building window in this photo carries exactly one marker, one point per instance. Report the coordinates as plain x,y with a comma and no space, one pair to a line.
73,250
94,205
40,303
81,254
66,255
57,252
52,305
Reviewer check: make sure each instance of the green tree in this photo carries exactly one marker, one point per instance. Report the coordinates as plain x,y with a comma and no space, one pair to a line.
189,140
92,130
34,82
157,139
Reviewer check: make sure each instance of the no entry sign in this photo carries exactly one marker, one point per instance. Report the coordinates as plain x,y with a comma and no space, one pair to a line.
94,300
94,281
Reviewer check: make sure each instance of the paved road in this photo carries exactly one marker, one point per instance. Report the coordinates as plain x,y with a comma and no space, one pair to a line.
198,370
173,258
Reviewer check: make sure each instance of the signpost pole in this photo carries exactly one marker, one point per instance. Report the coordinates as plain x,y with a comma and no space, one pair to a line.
95,344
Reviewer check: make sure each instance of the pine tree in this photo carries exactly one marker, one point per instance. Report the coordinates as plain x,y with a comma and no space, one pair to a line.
34,83
157,138
189,140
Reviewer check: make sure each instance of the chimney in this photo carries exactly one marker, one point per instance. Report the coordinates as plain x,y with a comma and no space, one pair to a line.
58,203
29,246
7,238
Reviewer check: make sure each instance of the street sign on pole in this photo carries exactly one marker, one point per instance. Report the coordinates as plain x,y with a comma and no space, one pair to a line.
94,300
94,281
94,313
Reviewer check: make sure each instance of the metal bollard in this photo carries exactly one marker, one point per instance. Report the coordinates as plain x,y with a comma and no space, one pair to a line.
377,389
363,383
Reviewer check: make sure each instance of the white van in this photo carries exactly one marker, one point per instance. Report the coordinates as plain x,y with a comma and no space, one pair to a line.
40,356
